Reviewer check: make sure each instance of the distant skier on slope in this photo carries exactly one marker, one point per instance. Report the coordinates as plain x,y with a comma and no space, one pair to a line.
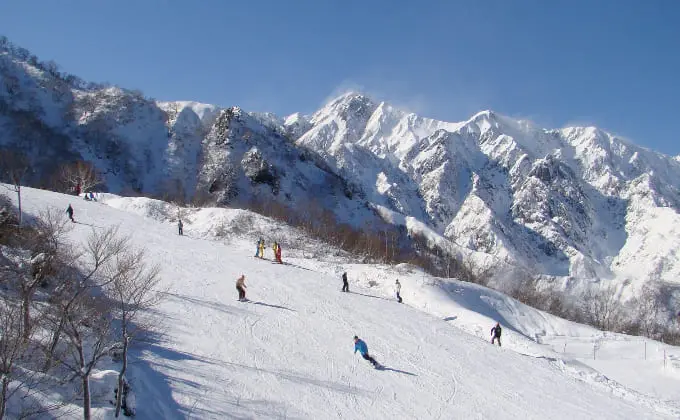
180,227
362,348
260,248
241,287
69,211
345,285
397,288
277,254
496,333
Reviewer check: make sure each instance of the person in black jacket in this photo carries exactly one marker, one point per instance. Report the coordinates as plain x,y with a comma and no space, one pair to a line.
345,285
180,226
496,333
69,210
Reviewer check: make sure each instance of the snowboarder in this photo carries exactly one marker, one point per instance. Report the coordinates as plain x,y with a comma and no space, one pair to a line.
496,333
345,285
362,348
260,248
277,254
69,211
397,288
241,287
180,226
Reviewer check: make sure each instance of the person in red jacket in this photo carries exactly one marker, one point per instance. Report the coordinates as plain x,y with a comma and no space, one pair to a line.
278,253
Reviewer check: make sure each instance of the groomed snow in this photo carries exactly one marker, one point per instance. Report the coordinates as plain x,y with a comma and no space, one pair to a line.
288,352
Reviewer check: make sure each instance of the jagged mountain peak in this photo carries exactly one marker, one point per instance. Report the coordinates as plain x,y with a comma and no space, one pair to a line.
555,201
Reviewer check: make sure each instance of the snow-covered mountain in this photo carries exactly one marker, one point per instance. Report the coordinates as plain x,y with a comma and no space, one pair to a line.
571,203
575,202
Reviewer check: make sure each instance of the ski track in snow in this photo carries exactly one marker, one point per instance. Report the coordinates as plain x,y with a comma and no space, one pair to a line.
287,353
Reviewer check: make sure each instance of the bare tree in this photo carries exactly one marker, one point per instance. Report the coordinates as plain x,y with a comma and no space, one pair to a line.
88,330
80,173
132,287
75,284
44,243
647,308
12,347
602,307
83,318
14,166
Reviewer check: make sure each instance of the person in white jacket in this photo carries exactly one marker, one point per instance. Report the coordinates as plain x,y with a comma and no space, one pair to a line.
397,288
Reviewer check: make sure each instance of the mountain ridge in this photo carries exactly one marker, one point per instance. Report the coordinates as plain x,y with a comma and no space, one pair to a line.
575,202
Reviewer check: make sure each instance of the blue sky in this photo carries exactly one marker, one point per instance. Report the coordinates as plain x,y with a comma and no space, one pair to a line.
611,63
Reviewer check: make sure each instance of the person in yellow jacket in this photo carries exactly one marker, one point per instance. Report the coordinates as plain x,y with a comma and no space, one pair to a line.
275,247
261,248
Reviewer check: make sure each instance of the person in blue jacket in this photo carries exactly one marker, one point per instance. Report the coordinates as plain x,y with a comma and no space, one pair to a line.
362,348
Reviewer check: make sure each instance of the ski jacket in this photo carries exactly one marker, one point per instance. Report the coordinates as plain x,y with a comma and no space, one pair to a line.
361,347
180,224
496,331
397,287
344,277
69,210
241,282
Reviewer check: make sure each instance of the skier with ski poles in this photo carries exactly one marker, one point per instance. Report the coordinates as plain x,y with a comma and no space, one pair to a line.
496,333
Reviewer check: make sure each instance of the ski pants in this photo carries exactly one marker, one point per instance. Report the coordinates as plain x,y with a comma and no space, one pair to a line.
241,293
398,297
369,358
496,338
181,231
345,286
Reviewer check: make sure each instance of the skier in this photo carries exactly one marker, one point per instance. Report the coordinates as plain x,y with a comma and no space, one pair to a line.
275,246
78,188
362,348
261,248
397,288
345,285
69,210
241,287
257,248
180,226
496,333
92,196
277,254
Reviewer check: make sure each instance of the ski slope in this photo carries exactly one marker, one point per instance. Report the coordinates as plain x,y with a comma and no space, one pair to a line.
288,352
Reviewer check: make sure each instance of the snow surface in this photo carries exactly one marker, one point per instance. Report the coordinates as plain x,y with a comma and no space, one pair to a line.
288,352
